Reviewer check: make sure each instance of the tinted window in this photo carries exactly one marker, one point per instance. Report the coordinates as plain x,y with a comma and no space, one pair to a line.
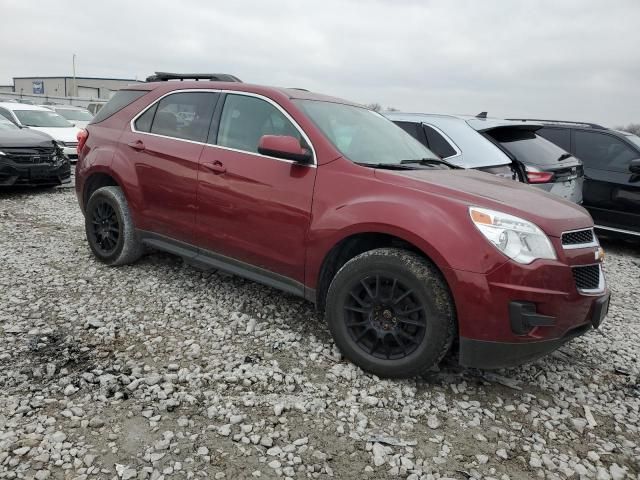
559,136
412,129
526,146
603,151
185,115
437,143
143,123
245,119
361,135
117,103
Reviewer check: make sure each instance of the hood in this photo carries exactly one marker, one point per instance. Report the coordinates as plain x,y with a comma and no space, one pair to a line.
61,134
25,137
80,123
551,213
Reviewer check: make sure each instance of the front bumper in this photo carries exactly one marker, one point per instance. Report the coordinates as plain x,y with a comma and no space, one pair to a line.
14,173
71,152
517,313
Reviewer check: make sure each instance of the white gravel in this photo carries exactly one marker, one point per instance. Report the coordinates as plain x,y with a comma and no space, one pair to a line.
157,370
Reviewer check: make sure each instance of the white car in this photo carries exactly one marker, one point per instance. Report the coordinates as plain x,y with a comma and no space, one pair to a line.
44,120
79,116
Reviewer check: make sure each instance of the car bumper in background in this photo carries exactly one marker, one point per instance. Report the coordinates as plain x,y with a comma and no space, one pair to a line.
569,190
71,152
13,173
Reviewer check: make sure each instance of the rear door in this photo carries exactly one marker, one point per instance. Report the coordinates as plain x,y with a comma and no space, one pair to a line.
612,192
254,208
165,149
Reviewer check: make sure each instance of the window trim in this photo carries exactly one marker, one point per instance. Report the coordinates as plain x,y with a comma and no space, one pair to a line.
451,143
226,93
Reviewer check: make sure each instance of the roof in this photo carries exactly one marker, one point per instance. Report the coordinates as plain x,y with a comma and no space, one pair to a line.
479,124
291,93
77,78
22,106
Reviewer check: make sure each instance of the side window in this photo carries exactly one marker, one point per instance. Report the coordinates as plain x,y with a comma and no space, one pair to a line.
412,129
245,119
6,115
560,136
603,151
143,123
437,143
185,115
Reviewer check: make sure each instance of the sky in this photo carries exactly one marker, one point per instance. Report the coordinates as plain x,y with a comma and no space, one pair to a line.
570,59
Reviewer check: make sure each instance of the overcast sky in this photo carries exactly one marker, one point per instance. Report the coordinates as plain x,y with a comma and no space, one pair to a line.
569,59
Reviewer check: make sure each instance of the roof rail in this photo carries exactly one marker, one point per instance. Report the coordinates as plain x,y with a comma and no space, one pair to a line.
215,77
562,122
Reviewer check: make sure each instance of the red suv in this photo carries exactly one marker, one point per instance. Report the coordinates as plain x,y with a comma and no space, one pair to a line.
408,256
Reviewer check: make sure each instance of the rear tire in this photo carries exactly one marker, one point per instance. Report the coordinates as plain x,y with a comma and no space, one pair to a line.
390,312
109,227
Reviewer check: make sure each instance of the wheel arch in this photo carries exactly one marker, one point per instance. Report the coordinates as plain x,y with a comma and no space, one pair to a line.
355,243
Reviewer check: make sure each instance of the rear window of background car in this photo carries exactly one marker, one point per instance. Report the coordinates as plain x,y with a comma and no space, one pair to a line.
526,146
559,136
121,99
603,151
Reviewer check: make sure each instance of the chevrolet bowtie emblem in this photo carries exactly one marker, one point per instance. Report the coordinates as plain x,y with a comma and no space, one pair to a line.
599,254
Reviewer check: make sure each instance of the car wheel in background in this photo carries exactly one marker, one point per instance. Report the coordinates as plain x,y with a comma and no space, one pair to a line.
110,230
390,312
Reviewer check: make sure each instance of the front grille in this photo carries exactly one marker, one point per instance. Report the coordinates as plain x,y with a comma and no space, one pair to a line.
30,155
587,277
578,237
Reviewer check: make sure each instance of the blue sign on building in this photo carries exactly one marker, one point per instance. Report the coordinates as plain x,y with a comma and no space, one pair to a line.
38,87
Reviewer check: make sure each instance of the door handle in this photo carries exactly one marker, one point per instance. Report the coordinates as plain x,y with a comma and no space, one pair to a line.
216,167
136,145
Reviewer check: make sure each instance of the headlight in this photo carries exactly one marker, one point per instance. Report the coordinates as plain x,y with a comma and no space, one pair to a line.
2,154
517,238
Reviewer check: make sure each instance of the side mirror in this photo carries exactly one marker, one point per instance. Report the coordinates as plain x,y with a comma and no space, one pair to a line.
634,166
285,147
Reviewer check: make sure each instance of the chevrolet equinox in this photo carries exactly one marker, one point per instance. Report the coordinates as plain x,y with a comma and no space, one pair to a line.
409,256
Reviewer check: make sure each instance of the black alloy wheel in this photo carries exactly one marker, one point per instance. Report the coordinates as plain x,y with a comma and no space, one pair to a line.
106,228
385,317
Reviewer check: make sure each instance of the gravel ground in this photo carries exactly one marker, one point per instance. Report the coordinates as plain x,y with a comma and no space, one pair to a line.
158,370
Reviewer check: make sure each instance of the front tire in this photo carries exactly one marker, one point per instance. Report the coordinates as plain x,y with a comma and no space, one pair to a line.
390,312
109,227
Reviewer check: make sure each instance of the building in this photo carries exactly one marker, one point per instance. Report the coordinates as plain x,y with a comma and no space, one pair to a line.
83,87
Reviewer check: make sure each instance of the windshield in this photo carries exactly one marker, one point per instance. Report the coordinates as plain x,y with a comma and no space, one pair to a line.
527,146
362,135
7,125
41,118
70,114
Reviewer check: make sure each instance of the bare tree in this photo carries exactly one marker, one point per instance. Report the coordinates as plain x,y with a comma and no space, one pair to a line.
376,107
631,128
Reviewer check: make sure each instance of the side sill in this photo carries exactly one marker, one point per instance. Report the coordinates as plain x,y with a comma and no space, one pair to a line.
207,259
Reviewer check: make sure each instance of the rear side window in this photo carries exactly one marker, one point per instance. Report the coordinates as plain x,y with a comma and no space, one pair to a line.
412,129
603,151
437,143
559,136
120,100
526,146
185,115
245,119
143,123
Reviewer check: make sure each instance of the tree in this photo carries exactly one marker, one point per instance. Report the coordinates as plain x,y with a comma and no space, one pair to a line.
376,107
631,128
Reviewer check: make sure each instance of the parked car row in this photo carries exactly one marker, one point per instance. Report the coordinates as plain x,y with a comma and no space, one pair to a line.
582,162
409,254
24,131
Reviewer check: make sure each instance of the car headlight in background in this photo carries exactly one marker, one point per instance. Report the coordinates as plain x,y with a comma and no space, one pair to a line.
518,239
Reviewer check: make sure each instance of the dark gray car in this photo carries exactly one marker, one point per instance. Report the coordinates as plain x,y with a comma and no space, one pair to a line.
511,149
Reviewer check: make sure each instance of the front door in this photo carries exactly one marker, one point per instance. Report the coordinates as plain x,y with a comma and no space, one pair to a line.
254,208
165,146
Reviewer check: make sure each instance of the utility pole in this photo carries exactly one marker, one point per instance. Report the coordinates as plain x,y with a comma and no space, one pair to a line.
75,87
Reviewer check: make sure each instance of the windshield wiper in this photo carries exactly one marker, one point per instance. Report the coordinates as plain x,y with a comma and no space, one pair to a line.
429,161
564,156
388,166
